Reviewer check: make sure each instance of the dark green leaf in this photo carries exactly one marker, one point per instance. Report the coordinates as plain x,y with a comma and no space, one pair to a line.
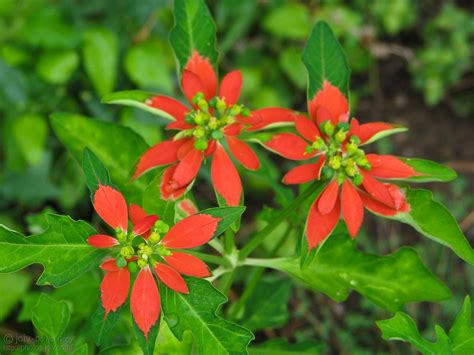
94,171
325,60
281,346
196,312
338,267
154,204
433,220
228,216
61,249
194,30
462,331
430,170
100,327
146,344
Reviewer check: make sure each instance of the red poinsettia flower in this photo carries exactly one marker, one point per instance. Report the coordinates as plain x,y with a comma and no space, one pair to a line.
158,252
214,117
354,177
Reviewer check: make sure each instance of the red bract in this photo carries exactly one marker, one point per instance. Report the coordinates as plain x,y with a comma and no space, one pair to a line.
157,252
214,117
353,177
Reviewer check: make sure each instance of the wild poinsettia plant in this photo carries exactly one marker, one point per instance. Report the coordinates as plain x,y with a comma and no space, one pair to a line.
156,242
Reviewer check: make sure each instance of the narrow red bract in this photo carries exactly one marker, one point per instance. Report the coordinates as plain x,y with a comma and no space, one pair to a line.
114,289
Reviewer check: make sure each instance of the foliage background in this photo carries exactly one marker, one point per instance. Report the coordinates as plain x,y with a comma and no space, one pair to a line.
411,62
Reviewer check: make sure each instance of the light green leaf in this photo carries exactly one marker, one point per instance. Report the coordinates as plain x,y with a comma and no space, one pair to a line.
288,21
61,249
94,171
12,288
166,343
228,216
402,327
338,267
290,62
325,60
460,341
194,30
30,132
462,331
100,52
196,312
100,326
433,220
119,148
146,65
56,67
430,170
268,306
386,133
135,98
51,317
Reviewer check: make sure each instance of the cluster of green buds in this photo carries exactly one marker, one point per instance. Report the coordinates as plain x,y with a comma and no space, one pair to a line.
209,119
343,157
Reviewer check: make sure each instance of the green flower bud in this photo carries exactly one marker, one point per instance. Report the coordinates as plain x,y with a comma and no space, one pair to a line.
154,238
189,119
213,101
235,110
132,267
362,161
351,148
212,123
327,127
142,263
341,136
319,144
163,251
343,126
327,172
340,178
197,97
309,149
161,227
335,162
350,170
120,262
199,132
127,251
200,144
203,105
357,179
121,236
245,112
221,106
355,140
217,135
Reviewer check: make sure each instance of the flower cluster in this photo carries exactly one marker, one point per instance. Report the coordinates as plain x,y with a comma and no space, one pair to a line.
150,245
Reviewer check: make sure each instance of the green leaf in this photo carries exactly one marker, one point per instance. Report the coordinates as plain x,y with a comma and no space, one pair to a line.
280,346
288,21
194,30
460,341
433,220
402,327
325,60
228,216
117,147
12,288
135,98
94,171
100,52
166,343
100,327
154,204
146,65
61,249
30,132
386,133
146,344
338,267
51,317
196,312
462,332
56,67
268,306
429,170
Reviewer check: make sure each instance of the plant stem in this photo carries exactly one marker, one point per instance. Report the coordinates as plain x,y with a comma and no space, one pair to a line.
226,282
213,259
229,242
258,238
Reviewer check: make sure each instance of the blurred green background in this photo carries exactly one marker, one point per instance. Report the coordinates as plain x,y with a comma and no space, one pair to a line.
411,63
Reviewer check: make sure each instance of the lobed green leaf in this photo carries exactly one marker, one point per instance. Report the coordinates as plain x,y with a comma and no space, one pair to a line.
429,170
94,171
228,216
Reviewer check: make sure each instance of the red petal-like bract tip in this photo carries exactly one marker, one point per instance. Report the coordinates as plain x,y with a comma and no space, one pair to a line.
169,188
225,178
377,207
188,207
399,199
329,103
144,226
231,86
187,264
318,226
368,130
389,167
136,213
289,146
109,265
265,117
187,168
354,128
233,129
306,128
145,301
191,85
102,241
114,289
160,154
110,205
328,197
185,148
304,173
171,278
191,232
376,189
201,67
352,208
171,106
243,153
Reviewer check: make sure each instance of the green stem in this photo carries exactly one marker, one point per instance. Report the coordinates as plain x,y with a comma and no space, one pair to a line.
229,242
258,238
226,282
213,259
